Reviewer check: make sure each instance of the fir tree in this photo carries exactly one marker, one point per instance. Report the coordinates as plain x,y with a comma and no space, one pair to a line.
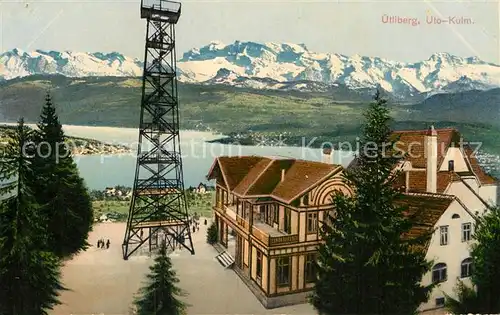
484,296
365,266
29,276
161,294
68,206
212,234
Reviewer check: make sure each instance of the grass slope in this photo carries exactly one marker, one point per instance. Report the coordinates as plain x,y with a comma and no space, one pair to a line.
333,116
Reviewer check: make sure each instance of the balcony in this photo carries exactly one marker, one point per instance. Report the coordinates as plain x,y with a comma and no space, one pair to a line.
230,211
260,230
271,236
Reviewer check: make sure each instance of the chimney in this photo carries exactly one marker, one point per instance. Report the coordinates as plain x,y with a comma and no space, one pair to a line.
327,156
282,174
431,150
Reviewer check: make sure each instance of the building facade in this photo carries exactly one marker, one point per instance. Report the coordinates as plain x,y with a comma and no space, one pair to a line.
439,163
273,208
451,224
268,212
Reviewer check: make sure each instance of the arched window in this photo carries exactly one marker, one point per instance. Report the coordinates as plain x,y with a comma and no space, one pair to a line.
455,216
466,268
439,273
305,199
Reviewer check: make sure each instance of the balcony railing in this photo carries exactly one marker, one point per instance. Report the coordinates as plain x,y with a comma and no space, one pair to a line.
230,211
273,240
242,223
260,230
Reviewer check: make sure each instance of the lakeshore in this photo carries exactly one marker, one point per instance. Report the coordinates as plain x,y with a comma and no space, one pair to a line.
77,145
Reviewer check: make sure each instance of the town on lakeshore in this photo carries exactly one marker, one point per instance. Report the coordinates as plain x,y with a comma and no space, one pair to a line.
408,224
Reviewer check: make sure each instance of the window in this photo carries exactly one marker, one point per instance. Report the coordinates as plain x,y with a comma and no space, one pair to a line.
443,231
455,216
312,222
269,214
440,302
283,271
439,273
262,213
259,264
451,165
247,207
305,200
466,268
310,268
276,215
466,232
288,221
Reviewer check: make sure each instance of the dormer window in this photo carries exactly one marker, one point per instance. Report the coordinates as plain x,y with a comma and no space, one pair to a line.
451,165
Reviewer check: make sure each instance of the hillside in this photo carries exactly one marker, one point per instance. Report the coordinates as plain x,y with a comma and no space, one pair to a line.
468,106
248,113
77,146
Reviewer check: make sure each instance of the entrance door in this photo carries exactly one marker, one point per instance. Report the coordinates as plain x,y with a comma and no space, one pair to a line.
239,251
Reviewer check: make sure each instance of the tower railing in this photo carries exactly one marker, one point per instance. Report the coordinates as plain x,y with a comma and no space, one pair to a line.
161,10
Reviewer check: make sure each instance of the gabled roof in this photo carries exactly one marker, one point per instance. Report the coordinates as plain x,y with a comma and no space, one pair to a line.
413,143
233,170
476,168
427,208
262,177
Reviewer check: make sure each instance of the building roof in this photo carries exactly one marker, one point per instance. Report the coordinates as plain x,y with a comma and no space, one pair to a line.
413,143
481,175
263,176
418,181
427,209
234,170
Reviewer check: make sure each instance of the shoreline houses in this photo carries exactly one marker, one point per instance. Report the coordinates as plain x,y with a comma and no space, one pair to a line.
274,208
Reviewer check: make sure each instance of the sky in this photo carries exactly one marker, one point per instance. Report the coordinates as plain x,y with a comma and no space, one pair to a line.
335,26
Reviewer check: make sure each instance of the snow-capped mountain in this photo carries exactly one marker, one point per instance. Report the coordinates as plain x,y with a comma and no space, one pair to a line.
17,63
273,66
284,63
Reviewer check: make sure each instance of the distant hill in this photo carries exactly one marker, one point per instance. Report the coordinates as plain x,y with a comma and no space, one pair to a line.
246,113
481,107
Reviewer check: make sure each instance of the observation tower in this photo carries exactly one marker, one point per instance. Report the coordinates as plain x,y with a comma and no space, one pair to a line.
158,209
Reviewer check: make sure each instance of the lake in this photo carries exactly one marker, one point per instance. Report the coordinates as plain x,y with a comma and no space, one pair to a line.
100,171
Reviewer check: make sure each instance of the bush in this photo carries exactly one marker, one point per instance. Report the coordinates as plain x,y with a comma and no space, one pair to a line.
212,234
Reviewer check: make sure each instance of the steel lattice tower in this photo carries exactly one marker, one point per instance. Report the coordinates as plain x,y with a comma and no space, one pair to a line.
158,210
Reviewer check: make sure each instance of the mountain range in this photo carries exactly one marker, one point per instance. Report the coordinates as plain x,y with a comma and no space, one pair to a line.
274,66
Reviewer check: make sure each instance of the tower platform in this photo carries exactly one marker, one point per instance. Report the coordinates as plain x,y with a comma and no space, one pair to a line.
161,10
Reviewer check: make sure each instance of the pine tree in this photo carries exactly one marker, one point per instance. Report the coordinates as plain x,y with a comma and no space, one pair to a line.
484,296
68,206
365,266
161,294
212,234
29,276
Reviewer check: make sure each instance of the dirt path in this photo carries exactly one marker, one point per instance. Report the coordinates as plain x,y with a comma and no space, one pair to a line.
101,282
